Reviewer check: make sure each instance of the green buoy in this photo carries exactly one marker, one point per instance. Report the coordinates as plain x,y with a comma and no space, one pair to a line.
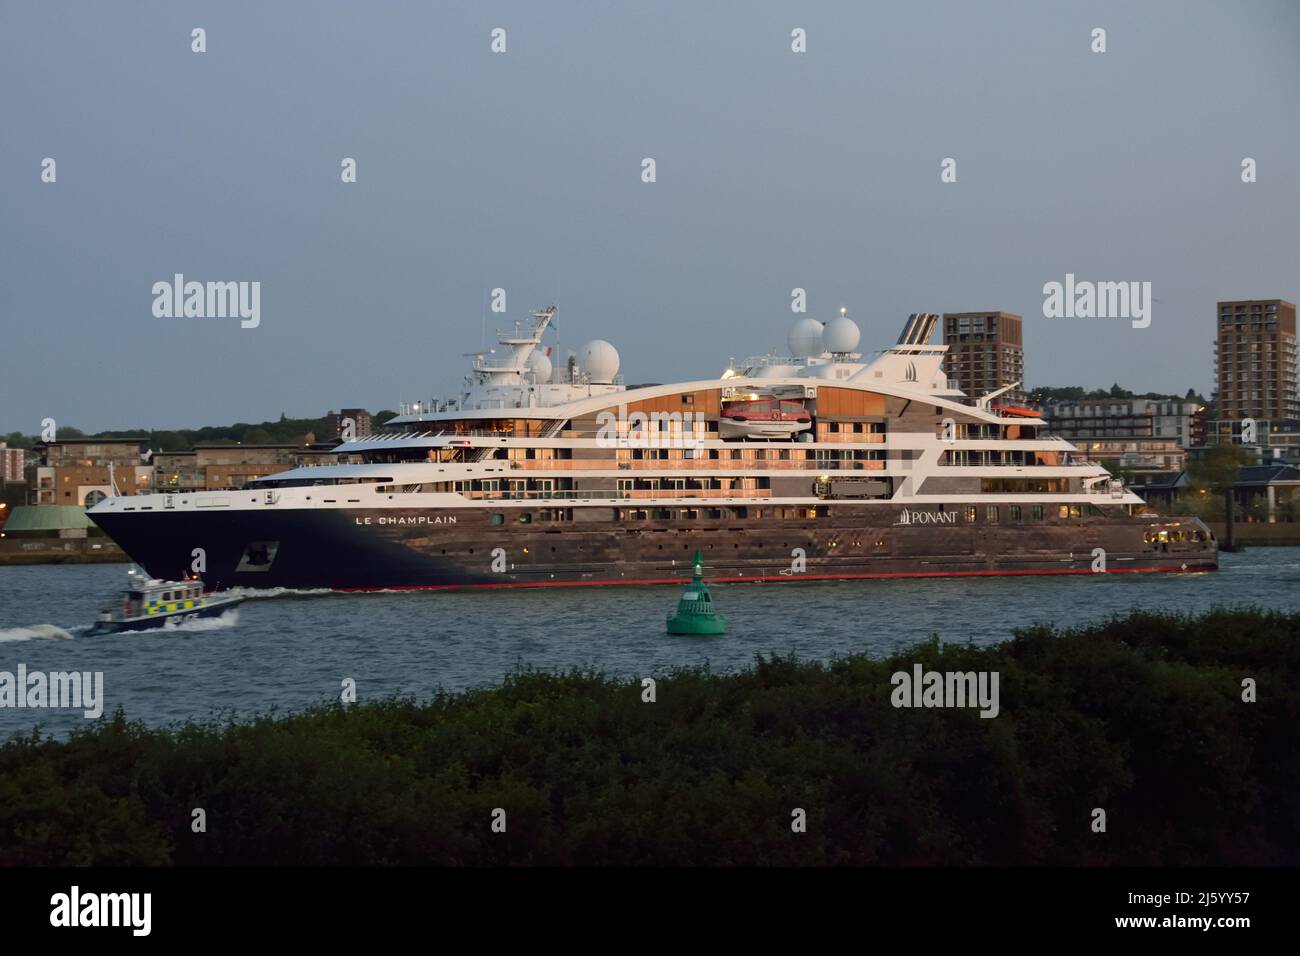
695,611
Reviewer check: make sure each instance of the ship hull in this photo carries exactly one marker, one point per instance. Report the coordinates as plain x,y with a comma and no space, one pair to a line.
350,549
163,620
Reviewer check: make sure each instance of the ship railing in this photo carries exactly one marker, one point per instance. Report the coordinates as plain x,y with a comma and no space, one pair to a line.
606,494
701,464
1012,464
549,432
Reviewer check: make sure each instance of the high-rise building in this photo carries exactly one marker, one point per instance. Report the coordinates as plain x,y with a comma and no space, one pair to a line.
1255,360
12,461
985,352
358,417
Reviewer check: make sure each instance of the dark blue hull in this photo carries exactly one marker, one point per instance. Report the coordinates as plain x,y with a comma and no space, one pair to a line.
158,621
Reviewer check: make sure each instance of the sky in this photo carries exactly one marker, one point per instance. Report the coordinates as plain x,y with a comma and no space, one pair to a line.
523,170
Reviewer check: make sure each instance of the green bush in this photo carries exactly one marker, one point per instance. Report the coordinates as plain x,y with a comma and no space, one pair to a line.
1141,716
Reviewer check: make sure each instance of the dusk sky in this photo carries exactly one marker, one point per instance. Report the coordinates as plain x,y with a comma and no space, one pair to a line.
523,170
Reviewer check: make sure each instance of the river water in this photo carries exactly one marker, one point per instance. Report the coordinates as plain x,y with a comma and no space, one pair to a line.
287,650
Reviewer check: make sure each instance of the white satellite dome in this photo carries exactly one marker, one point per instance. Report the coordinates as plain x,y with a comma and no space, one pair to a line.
600,359
805,339
841,335
540,366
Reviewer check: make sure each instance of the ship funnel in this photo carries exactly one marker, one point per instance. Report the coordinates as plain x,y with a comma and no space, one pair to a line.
918,328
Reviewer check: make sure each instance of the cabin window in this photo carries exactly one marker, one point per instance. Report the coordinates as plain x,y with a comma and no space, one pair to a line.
525,518
1015,514
688,399
1038,512
969,514
498,519
991,514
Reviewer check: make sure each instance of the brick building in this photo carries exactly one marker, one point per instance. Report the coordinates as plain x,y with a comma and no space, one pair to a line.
985,352
13,462
1255,360
360,418
82,471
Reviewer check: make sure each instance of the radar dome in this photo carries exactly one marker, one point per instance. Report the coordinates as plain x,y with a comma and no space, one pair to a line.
841,335
540,366
805,339
600,359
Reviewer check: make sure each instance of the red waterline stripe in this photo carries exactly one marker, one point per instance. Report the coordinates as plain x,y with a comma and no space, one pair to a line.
777,578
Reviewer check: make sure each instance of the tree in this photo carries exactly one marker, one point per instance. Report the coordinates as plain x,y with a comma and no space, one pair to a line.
169,441
1117,469
1216,471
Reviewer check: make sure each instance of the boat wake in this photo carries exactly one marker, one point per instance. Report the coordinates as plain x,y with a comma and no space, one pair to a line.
227,618
257,594
39,632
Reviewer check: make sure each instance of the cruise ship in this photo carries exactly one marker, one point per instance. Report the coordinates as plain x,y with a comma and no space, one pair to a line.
821,464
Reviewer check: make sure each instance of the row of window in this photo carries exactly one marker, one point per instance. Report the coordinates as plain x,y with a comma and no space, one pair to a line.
1016,514
544,515
855,428
750,454
693,484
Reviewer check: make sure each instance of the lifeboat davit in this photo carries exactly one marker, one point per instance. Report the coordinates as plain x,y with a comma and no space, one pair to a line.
1015,411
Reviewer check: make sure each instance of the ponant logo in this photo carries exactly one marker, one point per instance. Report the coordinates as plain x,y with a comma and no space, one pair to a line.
927,517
